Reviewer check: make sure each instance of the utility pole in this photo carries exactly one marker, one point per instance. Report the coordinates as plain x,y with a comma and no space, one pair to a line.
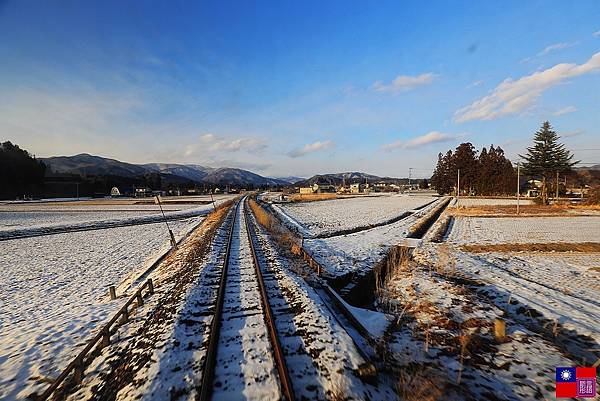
173,242
409,178
213,201
457,187
556,201
518,185
77,184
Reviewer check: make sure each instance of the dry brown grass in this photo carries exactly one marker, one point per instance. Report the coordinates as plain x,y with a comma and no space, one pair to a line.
417,383
524,210
281,234
587,247
312,197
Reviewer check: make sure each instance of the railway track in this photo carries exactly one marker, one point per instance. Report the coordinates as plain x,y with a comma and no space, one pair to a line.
243,324
269,338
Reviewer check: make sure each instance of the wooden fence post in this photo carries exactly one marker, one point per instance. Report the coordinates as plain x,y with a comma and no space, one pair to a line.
499,329
78,373
150,286
113,292
106,337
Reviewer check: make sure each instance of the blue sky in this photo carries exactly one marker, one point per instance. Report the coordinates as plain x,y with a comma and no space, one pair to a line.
297,88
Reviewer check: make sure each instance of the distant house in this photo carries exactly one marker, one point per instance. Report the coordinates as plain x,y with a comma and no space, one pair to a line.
142,192
355,188
318,189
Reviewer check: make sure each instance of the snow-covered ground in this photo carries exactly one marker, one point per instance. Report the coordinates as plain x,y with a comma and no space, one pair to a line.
331,216
493,201
496,230
55,291
361,250
24,223
446,337
10,221
449,299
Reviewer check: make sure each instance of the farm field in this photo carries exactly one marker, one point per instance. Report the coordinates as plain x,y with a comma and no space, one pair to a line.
17,220
328,217
360,251
56,291
492,201
491,230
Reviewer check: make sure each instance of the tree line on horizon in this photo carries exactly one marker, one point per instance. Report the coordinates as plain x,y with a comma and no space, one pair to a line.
20,173
488,172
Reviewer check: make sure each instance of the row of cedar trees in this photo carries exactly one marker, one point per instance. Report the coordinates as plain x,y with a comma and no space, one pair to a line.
487,172
491,173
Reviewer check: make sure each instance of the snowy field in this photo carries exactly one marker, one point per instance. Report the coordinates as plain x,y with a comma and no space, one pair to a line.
497,230
17,221
55,291
361,250
549,301
10,220
493,202
562,286
331,216
448,328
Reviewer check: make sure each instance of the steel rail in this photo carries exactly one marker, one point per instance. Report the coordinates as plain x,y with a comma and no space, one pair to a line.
208,370
282,370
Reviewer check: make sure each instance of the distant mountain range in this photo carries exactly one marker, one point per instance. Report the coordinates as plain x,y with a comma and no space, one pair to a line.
86,165
290,179
353,177
594,167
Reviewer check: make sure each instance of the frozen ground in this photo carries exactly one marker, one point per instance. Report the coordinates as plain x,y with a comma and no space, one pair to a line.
448,300
26,223
11,220
493,202
445,339
495,230
362,250
55,290
331,216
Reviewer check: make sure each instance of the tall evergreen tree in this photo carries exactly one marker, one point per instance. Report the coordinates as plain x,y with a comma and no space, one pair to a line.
546,157
441,179
465,160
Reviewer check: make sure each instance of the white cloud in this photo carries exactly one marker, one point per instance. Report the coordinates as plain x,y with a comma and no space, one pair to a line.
208,138
556,46
597,34
511,97
218,144
404,83
431,137
572,133
476,83
566,110
310,148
